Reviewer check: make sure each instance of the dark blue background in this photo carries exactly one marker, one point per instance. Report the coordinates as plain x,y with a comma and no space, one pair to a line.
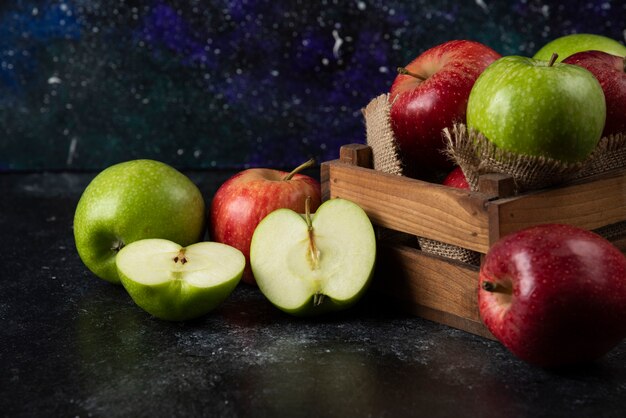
198,84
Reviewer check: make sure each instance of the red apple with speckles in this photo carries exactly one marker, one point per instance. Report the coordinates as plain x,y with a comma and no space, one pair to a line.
431,94
456,179
610,70
249,196
554,294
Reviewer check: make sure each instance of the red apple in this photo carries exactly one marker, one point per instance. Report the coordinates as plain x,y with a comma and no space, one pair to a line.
610,70
457,179
247,197
554,294
431,94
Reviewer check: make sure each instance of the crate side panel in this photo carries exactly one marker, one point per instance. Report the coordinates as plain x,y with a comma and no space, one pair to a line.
590,205
423,209
429,281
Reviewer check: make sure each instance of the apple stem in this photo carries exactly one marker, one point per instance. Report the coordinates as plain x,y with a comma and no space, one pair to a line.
553,59
318,299
405,71
313,251
495,287
299,168
181,257
117,246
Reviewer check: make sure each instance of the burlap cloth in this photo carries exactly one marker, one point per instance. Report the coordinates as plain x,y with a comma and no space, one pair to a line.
380,136
476,156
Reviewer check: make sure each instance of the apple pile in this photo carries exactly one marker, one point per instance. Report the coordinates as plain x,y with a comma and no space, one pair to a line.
552,294
557,104
140,223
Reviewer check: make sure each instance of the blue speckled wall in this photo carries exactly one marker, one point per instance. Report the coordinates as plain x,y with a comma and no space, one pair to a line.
201,84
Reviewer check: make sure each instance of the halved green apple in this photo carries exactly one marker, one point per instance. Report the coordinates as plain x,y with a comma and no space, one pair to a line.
179,283
311,264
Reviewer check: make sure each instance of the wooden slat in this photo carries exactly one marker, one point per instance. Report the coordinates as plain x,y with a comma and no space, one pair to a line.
496,184
454,216
589,204
357,154
325,180
444,290
428,286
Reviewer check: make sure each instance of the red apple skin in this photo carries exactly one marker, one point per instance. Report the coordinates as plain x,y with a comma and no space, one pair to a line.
610,72
561,296
456,179
421,109
249,196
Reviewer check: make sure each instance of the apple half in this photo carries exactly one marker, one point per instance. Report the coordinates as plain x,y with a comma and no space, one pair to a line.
178,283
310,264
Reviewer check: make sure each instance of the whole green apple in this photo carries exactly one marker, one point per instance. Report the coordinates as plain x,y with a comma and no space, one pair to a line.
131,201
538,108
578,42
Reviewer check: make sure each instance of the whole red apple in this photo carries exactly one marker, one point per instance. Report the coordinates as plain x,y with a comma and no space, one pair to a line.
456,179
247,197
610,70
554,294
431,94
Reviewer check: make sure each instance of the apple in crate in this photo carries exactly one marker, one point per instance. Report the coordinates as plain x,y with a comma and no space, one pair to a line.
131,201
538,108
178,283
554,294
310,264
568,45
456,178
243,200
431,94
610,71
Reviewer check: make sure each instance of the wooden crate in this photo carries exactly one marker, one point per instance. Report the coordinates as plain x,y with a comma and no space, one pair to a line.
402,209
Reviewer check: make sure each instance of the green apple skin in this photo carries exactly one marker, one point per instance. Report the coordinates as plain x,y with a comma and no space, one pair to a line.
528,107
173,297
568,45
135,200
294,223
177,301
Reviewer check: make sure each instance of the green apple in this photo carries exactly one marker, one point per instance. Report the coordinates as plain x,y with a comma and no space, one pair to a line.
316,263
178,283
538,108
578,42
132,201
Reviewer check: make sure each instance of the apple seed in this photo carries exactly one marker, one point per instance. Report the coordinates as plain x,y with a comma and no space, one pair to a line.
181,257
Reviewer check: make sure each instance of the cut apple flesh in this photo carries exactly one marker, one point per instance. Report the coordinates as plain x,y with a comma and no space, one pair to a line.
176,283
155,261
294,265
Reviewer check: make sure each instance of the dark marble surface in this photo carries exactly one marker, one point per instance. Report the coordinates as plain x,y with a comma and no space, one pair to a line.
73,345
